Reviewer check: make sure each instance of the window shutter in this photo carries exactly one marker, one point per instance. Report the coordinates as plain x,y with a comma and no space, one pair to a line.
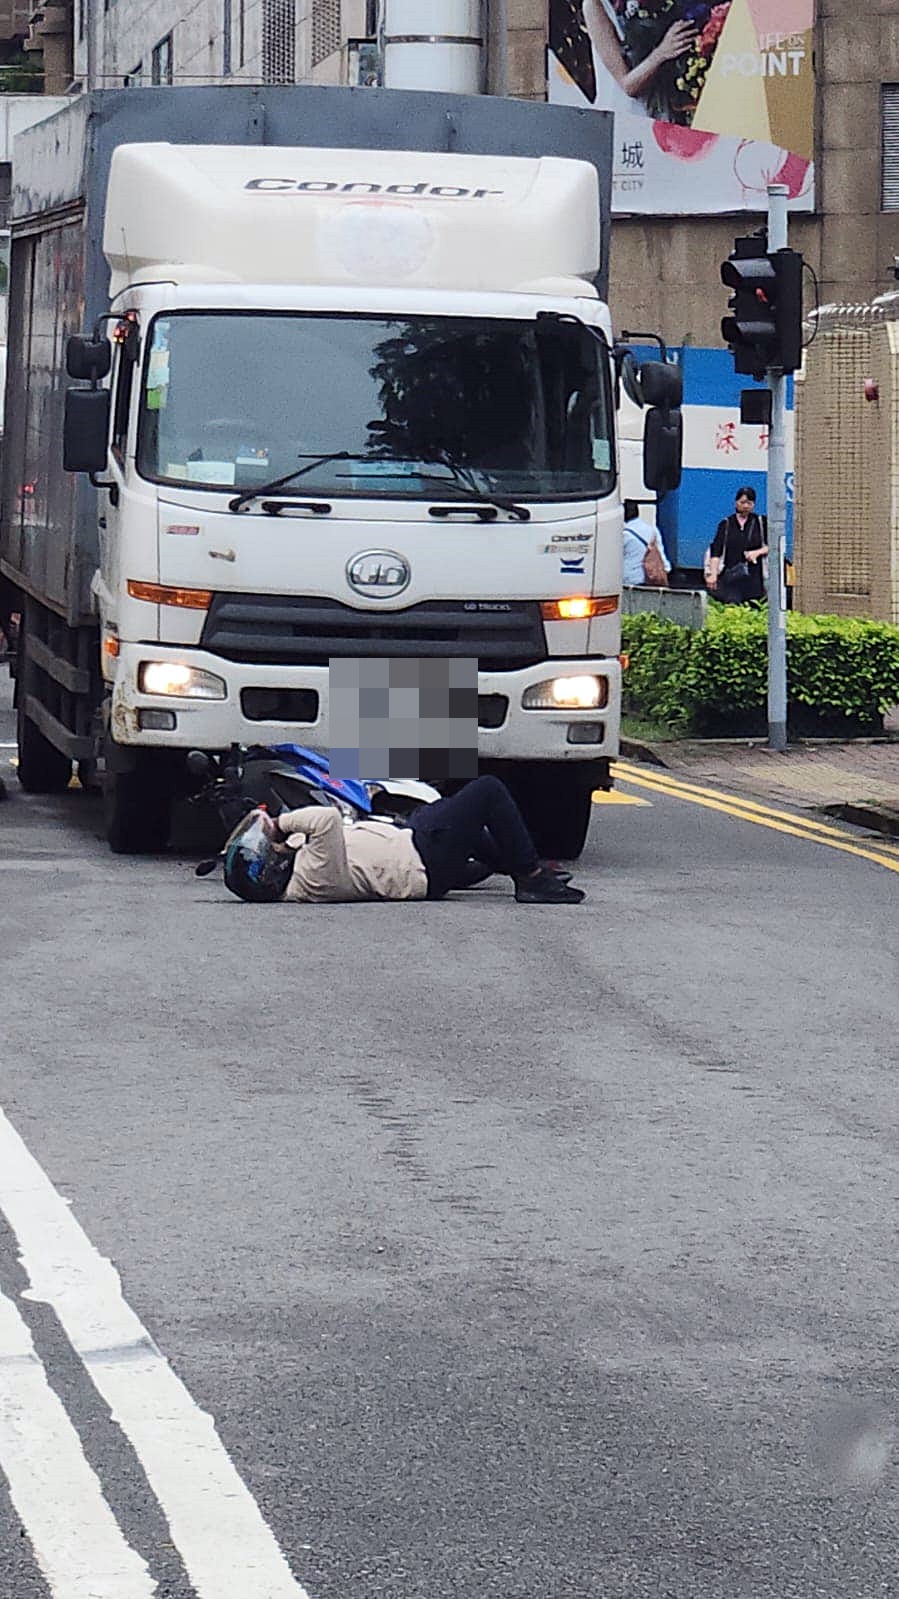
279,41
326,29
889,197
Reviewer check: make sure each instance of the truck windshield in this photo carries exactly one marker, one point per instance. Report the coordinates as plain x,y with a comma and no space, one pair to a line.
241,398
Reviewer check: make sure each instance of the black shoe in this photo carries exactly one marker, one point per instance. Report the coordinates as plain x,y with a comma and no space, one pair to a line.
556,870
544,888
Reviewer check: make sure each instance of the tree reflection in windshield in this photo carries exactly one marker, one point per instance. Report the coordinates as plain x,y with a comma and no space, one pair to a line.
238,398
467,393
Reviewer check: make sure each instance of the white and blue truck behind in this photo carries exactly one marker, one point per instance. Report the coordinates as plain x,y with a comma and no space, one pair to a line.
721,454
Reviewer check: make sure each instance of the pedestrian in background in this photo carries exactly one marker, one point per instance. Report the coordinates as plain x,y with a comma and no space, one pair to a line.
645,561
735,571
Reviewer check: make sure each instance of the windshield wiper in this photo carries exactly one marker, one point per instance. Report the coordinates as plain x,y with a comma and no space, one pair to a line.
291,477
476,496
460,478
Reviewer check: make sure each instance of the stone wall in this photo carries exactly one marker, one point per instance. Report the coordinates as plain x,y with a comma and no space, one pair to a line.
666,272
858,51
527,21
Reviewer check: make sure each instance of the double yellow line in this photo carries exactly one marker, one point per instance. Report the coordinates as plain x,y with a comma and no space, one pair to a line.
656,781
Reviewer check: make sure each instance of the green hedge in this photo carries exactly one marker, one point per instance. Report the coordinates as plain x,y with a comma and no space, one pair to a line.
843,673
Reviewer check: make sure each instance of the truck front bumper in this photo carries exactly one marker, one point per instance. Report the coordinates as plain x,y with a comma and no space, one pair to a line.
507,729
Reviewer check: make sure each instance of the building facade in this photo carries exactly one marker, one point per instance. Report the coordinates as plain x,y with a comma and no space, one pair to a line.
127,43
665,268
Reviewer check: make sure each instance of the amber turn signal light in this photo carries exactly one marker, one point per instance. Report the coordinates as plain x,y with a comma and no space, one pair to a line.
579,608
161,594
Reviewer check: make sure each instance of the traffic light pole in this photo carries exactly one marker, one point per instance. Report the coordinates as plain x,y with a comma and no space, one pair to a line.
777,508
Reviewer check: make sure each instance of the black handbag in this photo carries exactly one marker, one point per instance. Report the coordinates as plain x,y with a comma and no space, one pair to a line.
738,573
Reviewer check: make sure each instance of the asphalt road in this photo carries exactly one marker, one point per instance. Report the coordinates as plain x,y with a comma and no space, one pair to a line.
514,1251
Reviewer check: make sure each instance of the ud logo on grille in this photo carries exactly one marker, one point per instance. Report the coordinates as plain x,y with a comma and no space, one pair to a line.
378,574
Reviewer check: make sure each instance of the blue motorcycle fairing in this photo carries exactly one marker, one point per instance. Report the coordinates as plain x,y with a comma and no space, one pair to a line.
315,769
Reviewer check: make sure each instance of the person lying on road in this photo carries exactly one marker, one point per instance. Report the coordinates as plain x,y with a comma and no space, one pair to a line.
313,855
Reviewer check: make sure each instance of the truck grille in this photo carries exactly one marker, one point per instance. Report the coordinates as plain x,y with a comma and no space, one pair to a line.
297,631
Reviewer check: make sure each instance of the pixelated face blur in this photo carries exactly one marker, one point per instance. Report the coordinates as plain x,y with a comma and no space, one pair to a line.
745,506
404,717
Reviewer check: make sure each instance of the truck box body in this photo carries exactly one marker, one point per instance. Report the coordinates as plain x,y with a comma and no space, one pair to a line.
60,279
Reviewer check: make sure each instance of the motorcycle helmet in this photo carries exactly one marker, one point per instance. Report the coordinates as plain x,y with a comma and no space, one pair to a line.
255,868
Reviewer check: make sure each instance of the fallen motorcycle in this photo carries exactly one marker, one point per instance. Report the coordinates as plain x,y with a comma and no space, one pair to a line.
284,777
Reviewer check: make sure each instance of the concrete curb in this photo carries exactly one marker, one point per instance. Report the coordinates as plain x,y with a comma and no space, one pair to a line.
883,819
878,818
634,751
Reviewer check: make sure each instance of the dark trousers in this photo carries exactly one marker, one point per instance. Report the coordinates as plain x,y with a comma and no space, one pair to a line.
450,832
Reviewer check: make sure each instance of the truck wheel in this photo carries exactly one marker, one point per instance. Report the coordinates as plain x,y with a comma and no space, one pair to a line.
137,812
557,805
43,769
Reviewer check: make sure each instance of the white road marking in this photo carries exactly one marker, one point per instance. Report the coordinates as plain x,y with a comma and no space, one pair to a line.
216,1526
55,1492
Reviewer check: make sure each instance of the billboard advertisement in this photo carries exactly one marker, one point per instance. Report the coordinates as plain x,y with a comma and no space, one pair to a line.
712,102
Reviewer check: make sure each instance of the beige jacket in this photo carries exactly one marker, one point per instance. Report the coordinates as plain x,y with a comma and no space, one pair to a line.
336,860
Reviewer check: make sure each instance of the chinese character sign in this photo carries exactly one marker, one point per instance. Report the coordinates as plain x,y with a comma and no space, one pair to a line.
712,102
631,156
726,438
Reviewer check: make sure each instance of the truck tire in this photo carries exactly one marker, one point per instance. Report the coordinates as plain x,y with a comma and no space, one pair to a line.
43,769
137,811
556,801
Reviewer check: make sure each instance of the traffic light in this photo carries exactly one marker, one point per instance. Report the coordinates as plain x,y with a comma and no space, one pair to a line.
788,269
751,331
765,328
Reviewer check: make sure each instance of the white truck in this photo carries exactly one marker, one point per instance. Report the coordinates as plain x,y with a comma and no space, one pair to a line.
339,401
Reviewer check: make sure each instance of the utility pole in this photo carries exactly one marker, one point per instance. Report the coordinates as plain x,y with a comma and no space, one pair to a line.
778,225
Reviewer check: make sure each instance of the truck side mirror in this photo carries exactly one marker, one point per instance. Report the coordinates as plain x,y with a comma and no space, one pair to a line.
661,384
85,438
88,358
663,449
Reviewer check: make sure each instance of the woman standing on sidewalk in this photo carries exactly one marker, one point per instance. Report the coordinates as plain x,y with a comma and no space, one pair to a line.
735,572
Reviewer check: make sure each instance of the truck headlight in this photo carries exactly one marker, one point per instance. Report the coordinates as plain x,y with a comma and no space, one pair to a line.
179,681
567,693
